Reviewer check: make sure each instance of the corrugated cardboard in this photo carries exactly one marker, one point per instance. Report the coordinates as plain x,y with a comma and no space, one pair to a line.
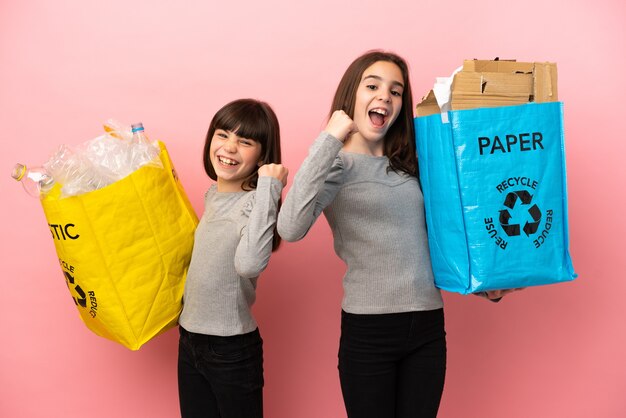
428,105
484,83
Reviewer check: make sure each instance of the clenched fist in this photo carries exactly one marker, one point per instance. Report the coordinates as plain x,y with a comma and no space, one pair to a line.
278,171
341,126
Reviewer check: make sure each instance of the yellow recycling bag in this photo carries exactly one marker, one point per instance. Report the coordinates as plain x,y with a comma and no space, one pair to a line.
124,250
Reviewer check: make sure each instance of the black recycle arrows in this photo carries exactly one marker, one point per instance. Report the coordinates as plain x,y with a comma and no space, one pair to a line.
505,216
82,300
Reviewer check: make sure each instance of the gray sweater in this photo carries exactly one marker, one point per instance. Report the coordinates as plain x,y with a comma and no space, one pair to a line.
233,244
377,220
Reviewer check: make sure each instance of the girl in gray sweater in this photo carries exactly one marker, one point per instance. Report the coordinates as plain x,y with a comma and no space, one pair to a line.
361,172
220,359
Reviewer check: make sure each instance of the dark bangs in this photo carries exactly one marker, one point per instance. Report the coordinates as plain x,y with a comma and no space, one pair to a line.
246,119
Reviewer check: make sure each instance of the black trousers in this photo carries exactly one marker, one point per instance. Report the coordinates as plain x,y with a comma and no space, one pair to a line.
220,377
392,365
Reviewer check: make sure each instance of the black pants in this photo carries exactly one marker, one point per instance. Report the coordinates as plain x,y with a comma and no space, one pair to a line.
220,377
392,365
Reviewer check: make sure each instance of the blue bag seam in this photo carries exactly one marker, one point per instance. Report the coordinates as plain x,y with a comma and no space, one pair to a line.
467,246
566,255
433,244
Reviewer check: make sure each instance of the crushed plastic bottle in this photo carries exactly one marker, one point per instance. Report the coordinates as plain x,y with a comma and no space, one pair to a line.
75,172
36,180
111,154
101,161
142,151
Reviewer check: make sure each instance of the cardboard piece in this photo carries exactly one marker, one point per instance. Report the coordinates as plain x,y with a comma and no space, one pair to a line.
485,83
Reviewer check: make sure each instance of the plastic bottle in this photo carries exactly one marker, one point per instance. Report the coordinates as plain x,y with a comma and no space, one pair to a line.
36,181
142,151
74,171
139,134
110,156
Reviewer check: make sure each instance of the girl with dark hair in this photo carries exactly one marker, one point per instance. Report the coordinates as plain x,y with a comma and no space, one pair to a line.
220,357
362,173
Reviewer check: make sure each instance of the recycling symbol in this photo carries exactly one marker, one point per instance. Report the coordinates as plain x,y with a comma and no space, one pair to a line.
82,297
511,202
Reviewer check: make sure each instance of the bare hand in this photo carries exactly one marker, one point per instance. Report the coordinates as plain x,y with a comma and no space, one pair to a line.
341,126
497,294
278,171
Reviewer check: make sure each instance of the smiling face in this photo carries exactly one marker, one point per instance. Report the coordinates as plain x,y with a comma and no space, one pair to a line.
377,105
233,158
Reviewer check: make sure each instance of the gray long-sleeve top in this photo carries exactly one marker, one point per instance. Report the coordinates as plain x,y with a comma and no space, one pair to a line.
377,219
233,244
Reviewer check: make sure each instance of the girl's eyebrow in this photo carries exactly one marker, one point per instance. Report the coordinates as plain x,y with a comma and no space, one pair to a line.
379,78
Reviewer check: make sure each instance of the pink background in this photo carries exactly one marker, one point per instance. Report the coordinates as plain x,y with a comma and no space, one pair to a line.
67,66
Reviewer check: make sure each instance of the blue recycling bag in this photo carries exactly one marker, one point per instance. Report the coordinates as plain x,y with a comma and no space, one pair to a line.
495,196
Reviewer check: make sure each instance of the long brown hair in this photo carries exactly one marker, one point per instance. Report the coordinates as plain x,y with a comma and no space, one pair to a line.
399,145
251,119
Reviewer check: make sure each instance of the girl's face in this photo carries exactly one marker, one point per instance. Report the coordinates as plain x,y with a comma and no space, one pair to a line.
378,102
233,158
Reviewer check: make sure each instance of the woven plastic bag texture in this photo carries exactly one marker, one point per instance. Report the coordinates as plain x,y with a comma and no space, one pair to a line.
124,251
494,184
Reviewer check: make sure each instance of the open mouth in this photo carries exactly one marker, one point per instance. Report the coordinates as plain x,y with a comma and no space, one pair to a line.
378,117
227,161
